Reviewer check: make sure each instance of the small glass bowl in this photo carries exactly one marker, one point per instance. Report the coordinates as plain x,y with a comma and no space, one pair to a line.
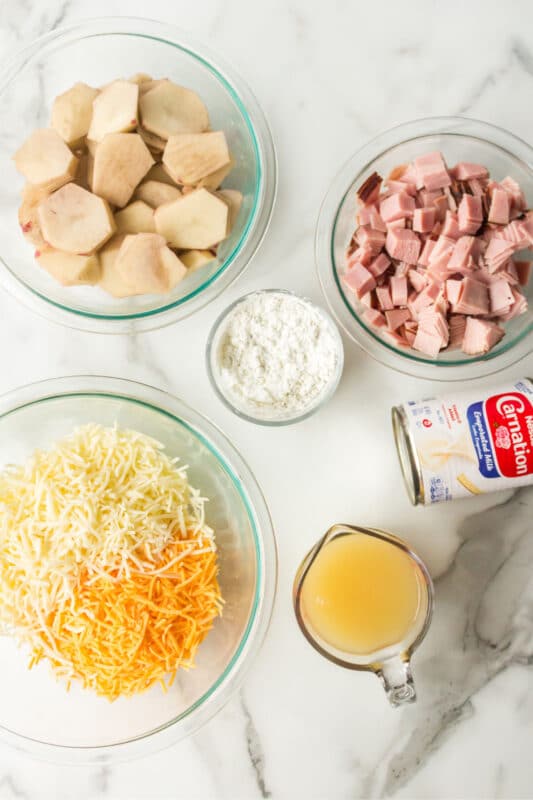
459,139
96,52
37,714
217,382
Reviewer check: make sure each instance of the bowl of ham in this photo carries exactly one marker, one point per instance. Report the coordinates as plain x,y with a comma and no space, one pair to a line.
424,247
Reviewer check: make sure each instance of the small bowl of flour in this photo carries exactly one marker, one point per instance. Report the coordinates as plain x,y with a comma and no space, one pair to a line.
274,357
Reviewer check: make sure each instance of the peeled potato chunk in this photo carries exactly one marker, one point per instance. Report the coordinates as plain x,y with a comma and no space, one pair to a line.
120,163
197,221
156,193
74,220
144,264
110,279
137,217
28,217
214,179
159,173
155,143
84,173
168,109
69,269
189,157
234,200
45,160
72,113
140,77
194,259
147,86
114,110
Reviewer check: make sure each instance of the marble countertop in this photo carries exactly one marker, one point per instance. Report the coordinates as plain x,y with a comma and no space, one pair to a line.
329,76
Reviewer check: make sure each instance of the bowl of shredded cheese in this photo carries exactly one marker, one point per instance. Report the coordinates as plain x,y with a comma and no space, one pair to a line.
137,569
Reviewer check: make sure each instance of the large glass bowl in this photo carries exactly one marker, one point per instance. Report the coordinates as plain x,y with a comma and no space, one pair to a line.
37,714
97,52
459,139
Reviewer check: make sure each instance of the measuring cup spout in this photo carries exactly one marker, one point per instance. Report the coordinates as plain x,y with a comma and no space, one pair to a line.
395,675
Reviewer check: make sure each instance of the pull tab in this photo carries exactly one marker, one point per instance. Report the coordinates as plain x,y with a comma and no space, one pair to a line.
395,675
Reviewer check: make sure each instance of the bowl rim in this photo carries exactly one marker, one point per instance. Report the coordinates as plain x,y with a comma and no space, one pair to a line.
266,179
252,637
321,400
383,352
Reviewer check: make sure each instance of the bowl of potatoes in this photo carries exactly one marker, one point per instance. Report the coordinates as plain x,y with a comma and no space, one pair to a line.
139,176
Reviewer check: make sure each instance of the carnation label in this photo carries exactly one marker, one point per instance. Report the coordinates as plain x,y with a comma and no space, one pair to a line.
466,445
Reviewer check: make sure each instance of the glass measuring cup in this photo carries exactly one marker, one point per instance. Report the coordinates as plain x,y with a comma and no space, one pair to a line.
392,662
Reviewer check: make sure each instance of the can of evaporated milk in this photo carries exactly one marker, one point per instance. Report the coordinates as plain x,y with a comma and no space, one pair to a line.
472,443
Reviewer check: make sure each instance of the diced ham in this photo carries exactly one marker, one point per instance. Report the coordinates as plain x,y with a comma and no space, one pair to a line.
499,207
370,239
426,297
443,247
378,266
367,300
429,246
431,171
462,250
516,232
465,171
457,325
399,290
376,222
518,307
374,318
476,187
368,193
424,219
470,214
403,244
451,226
497,253
501,296
441,206
428,342
397,206
453,290
416,279
514,191
359,280
384,298
480,336
523,269
396,317
427,199
401,186
396,223
473,298
361,255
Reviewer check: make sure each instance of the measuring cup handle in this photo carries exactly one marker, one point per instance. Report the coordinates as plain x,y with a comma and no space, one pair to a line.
395,675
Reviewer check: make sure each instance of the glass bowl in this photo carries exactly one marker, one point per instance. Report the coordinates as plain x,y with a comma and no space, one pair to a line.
37,714
96,52
216,378
459,139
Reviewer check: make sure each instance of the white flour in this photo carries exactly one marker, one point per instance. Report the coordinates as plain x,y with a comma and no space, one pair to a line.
276,354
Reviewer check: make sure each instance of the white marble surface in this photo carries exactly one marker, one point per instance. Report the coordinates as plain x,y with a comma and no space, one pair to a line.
329,76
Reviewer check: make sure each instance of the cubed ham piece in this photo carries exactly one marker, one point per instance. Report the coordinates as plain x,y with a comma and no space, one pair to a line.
426,297
376,221
457,325
361,255
416,279
477,187
364,215
428,342
403,244
359,280
523,269
396,223
441,206
516,232
370,239
518,307
462,250
431,171
465,171
374,318
425,255
452,203
450,229
501,296
480,336
384,298
410,336
424,219
514,191
401,186
378,266
427,199
473,298
367,300
470,214
399,290
499,207
443,247
397,317
397,206
368,193
453,290
497,253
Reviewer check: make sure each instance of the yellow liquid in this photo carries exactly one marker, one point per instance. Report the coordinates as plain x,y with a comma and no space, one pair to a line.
362,594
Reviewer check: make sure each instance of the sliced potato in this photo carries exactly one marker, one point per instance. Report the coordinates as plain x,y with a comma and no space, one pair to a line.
114,110
72,113
28,216
159,173
197,221
69,269
110,279
234,200
189,157
75,220
156,193
147,86
137,217
139,263
173,266
194,259
120,163
168,108
155,143
214,180
45,160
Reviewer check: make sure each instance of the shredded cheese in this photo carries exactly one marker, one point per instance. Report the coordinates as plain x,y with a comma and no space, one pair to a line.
107,566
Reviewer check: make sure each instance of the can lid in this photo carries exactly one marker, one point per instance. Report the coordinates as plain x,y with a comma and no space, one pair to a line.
407,456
